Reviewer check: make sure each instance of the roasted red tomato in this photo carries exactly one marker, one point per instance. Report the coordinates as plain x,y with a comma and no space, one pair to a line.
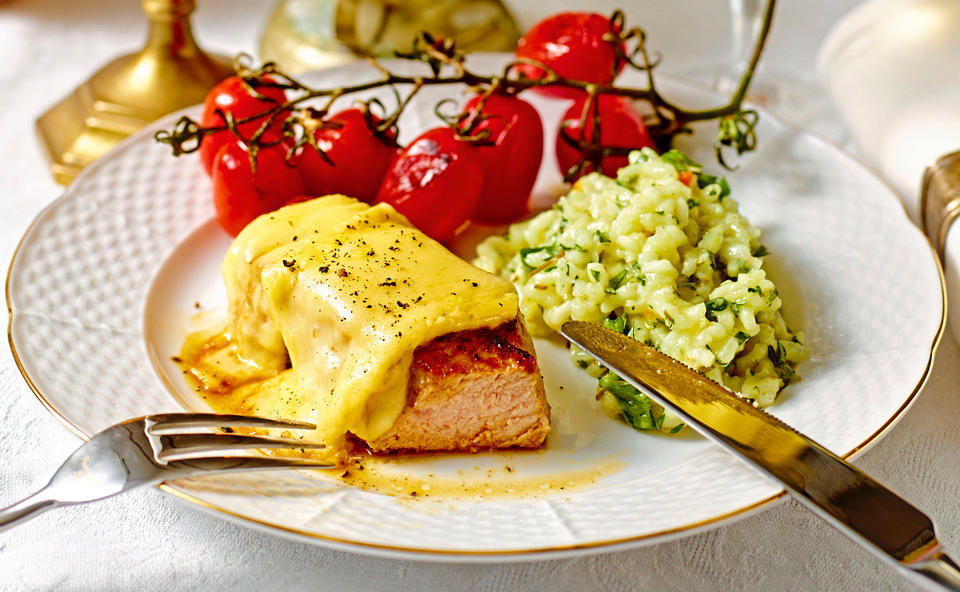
621,126
360,158
237,97
435,182
571,43
512,161
240,195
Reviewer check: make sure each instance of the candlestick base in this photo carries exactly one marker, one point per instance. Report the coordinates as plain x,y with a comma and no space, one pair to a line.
171,72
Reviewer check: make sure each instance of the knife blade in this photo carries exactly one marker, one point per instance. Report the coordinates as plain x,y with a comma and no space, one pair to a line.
838,492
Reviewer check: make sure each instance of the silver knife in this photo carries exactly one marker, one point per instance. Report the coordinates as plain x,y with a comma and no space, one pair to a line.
838,492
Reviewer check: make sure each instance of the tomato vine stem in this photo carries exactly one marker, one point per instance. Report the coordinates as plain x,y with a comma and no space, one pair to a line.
664,118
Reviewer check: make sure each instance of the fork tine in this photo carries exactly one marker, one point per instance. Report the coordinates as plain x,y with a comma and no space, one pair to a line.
241,463
166,423
179,446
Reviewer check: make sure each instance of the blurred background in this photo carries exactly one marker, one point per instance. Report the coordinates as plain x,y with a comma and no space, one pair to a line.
49,47
72,40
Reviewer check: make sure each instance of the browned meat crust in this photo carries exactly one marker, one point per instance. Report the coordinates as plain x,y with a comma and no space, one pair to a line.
472,390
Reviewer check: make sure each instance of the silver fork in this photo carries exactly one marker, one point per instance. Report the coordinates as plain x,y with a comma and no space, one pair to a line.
153,449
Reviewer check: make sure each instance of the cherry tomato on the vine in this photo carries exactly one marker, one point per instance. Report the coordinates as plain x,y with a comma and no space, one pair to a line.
511,160
621,126
235,96
571,43
240,195
435,182
360,158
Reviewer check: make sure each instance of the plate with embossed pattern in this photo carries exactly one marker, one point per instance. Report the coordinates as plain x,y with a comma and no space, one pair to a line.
110,278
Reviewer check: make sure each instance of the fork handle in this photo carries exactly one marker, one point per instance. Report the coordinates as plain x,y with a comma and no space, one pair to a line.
26,509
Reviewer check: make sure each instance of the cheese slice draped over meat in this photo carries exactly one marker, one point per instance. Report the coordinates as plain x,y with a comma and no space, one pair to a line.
266,241
343,294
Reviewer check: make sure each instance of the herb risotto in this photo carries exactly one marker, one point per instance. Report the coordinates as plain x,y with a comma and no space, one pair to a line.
662,255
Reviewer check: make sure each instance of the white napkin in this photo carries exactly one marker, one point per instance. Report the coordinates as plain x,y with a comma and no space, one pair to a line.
891,67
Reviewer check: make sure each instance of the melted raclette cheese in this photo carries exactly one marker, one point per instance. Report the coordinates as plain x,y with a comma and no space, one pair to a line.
268,240
327,302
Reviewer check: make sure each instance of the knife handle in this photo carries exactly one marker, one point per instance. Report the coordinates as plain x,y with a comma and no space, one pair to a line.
940,570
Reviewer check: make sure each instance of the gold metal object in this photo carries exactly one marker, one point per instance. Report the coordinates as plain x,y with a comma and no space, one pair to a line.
63,416
825,484
940,199
299,36
171,72
311,34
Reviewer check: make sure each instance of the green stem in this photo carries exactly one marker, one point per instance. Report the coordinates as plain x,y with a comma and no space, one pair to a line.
667,119
736,100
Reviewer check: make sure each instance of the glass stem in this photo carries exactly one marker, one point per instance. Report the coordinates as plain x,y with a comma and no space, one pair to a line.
746,20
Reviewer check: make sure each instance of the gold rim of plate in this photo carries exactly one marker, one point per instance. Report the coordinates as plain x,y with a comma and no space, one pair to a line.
515,553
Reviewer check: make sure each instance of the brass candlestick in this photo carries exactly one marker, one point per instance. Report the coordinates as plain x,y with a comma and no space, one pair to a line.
169,73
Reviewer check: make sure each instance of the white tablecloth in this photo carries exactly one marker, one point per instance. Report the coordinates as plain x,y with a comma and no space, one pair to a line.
147,540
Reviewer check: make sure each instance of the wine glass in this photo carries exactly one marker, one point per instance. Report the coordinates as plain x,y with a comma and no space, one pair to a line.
746,20
791,98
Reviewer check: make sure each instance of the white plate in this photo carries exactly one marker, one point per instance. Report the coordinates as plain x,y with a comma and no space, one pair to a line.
104,284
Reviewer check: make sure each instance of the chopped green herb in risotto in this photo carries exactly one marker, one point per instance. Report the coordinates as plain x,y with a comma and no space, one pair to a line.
662,255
